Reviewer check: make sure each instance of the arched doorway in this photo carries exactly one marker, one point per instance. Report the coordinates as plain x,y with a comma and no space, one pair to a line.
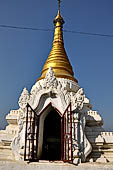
51,149
48,136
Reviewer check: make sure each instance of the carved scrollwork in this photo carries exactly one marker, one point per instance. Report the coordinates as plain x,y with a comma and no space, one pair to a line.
24,98
66,96
78,99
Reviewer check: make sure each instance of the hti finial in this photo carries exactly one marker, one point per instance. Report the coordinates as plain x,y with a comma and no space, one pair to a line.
59,2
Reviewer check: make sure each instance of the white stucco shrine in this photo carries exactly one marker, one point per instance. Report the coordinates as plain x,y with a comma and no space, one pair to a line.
55,120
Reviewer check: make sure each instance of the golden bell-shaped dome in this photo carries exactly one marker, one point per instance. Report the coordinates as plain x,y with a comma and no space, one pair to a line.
57,58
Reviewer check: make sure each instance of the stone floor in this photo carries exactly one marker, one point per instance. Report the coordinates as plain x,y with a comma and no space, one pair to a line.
10,165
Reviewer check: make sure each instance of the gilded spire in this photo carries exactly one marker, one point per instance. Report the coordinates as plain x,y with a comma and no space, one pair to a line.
57,58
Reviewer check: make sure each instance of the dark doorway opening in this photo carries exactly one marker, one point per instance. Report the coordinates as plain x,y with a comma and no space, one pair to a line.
52,137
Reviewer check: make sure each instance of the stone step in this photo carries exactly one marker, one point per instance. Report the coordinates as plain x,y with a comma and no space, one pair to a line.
6,154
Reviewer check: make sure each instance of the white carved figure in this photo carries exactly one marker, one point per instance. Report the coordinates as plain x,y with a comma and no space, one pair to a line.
50,79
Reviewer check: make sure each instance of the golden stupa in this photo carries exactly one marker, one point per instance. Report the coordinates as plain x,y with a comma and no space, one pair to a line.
58,58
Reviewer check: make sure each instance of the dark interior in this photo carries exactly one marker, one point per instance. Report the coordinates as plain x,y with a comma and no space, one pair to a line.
52,137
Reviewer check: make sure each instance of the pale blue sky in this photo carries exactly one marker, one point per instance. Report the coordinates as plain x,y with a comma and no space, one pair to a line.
23,52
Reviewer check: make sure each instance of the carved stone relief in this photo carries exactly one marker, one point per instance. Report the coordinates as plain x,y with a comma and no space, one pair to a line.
19,140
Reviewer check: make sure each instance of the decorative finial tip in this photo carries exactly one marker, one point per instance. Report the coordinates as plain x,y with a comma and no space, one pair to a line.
59,2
